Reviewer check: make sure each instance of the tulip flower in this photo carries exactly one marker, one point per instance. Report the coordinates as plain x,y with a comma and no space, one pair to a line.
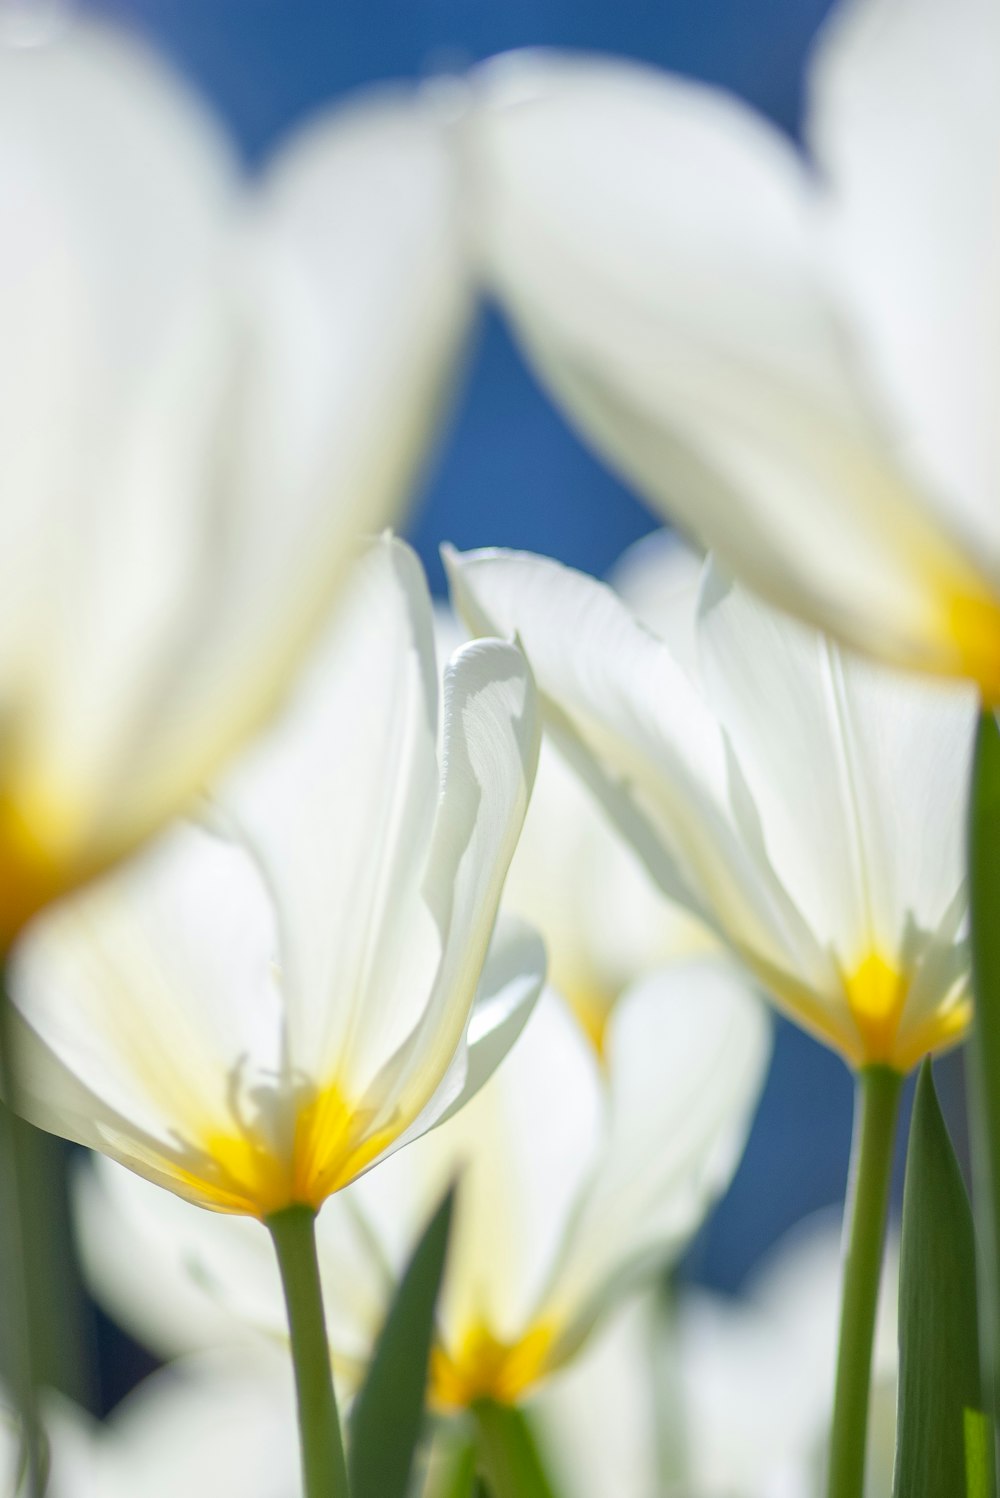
211,387
808,806
253,1020
720,1395
797,359
578,1177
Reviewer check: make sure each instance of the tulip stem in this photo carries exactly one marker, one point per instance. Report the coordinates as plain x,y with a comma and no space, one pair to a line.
19,1345
324,1470
877,1108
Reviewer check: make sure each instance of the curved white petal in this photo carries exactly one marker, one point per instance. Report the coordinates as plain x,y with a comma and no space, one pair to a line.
352,302
151,997
905,121
490,753
521,1152
643,737
860,777
339,803
687,1052
241,376
657,246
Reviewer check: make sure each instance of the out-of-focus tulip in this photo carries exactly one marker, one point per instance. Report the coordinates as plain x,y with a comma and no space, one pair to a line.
797,359
721,1398
806,804
254,1029
210,386
202,1427
577,1178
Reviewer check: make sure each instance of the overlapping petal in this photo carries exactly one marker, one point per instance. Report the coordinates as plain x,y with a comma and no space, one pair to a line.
820,838
253,1031
211,387
662,251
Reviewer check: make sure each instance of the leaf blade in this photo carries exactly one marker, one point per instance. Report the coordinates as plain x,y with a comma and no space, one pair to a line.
940,1417
387,1416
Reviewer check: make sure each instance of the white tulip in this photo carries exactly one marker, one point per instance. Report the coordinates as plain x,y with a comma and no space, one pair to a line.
578,1177
722,1398
253,1029
210,385
798,359
806,805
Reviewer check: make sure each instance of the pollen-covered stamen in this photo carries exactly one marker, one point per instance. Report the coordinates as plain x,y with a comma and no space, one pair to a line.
257,1169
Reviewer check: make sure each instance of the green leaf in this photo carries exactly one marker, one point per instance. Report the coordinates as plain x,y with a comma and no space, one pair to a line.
388,1413
984,1098
509,1458
942,1434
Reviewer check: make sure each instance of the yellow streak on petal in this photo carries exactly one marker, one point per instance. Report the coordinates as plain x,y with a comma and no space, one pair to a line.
592,1007
241,1172
31,874
483,1367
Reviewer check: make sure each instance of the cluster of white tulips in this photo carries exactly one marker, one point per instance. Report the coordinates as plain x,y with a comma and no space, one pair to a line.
405,970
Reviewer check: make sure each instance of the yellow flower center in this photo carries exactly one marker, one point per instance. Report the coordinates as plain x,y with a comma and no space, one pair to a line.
242,1172
483,1367
973,622
876,993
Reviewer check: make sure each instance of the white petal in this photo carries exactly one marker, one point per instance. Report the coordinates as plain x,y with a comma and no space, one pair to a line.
339,802
153,1027
179,1280
491,739
641,735
511,982
869,766
687,1052
656,245
354,301
521,1150
905,119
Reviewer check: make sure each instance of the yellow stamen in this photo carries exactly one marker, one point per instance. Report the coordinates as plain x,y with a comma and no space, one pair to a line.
483,1367
242,1172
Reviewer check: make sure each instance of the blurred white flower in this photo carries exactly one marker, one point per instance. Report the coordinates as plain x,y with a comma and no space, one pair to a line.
722,1398
202,1428
577,1179
797,358
210,387
807,805
255,1029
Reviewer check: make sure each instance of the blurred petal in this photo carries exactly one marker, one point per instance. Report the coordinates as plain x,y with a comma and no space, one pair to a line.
686,1055
656,244
905,120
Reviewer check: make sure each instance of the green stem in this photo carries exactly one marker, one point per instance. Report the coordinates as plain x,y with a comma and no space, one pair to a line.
984,1047
20,1348
877,1108
324,1469
509,1457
